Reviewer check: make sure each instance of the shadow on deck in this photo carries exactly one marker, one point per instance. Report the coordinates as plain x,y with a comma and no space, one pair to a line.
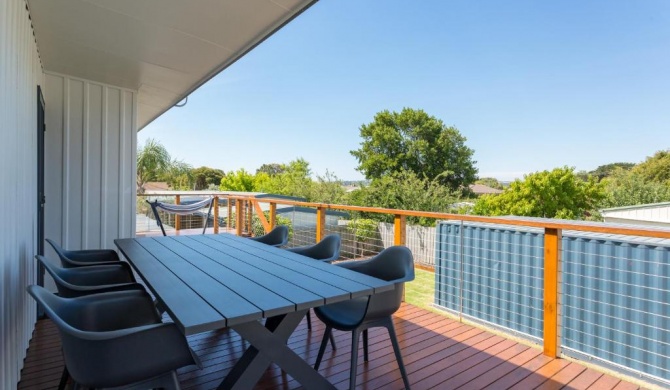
439,353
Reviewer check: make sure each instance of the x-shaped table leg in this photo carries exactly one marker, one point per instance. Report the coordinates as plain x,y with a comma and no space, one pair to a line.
268,344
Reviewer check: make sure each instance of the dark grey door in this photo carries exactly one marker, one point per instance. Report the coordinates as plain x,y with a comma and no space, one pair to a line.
41,199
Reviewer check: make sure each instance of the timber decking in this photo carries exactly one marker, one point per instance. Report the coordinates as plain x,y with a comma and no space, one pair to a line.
439,353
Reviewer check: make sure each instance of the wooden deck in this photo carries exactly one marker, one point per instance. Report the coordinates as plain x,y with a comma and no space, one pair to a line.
439,353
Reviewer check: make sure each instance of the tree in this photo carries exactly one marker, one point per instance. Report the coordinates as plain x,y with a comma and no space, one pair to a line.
240,180
153,162
607,170
655,168
271,169
628,188
405,190
205,177
491,182
416,142
327,189
178,175
550,194
294,181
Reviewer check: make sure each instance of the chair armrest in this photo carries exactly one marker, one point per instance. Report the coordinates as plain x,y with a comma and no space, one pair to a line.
94,256
114,310
99,275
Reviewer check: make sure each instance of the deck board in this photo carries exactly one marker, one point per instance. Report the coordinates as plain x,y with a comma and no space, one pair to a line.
439,353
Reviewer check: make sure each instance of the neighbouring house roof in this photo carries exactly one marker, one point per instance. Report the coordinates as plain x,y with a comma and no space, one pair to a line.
156,186
164,49
481,189
655,214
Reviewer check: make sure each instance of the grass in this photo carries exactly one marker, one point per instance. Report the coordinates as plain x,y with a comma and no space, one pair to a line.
421,291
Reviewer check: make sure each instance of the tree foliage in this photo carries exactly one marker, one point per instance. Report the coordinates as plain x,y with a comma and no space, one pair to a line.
271,169
550,194
205,177
628,188
239,180
607,170
405,190
153,162
414,141
655,168
178,175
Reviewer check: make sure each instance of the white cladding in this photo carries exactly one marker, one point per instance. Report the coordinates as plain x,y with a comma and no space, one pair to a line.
20,74
646,215
91,142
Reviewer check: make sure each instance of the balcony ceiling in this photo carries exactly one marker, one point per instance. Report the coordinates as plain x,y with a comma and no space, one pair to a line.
164,49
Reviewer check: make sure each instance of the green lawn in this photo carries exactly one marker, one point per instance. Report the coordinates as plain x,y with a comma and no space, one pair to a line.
421,291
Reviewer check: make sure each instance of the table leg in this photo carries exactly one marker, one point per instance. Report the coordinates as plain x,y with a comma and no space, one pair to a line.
268,344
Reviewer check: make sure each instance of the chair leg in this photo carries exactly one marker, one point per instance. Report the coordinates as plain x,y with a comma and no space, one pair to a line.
322,348
309,320
396,349
63,379
365,345
332,341
354,359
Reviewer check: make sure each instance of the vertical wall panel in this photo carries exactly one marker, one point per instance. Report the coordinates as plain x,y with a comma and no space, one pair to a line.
90,170
20,74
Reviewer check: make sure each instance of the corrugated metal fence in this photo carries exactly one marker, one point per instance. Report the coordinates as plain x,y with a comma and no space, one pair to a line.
614,292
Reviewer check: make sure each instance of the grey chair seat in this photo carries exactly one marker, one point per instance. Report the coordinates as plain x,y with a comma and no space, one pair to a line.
82,258
116,339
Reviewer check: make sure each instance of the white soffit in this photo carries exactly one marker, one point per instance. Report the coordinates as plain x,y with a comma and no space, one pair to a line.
164,49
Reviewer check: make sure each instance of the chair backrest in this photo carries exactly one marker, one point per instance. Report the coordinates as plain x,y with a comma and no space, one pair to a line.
181,209
276,237
328,249
71,259
61,277
393,264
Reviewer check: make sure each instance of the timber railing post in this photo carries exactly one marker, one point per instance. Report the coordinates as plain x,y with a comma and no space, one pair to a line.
238,217
229,216
249,216
177,217
399,229
552,255
216,215
320,223
273,215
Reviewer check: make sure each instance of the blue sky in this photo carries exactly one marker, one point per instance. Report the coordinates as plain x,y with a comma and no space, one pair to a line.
533,85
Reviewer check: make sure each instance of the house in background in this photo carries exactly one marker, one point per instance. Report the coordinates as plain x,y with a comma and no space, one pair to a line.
654,214
481,189
95,73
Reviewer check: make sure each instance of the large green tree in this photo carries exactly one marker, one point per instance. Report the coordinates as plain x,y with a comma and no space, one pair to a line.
607,170
413,141
295,180
239,180
655,168
550,194
205,177
272,169
153,163
628,188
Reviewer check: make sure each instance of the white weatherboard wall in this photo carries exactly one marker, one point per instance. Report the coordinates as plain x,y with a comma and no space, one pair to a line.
91,143
20,73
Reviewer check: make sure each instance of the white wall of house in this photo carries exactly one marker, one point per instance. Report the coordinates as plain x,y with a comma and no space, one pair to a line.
20,74
654,215
91,143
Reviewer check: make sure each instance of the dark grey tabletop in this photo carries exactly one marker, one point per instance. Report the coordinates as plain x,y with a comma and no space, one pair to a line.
208,282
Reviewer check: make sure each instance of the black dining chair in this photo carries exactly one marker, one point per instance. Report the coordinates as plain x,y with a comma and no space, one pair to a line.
116,339
394,264
328,249
276,237
94,279
82,258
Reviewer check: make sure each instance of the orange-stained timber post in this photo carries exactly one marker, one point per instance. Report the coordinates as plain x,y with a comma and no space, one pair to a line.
399,229
273,215
552,254
216,215
320,223
229,220
177,217
238,217
249,216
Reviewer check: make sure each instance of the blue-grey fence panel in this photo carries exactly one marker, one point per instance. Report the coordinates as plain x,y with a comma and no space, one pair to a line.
500,280
616,302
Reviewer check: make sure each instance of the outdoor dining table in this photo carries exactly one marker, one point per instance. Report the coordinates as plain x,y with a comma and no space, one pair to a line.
213,281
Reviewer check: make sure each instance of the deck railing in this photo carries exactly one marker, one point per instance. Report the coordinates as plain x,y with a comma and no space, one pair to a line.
608,301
